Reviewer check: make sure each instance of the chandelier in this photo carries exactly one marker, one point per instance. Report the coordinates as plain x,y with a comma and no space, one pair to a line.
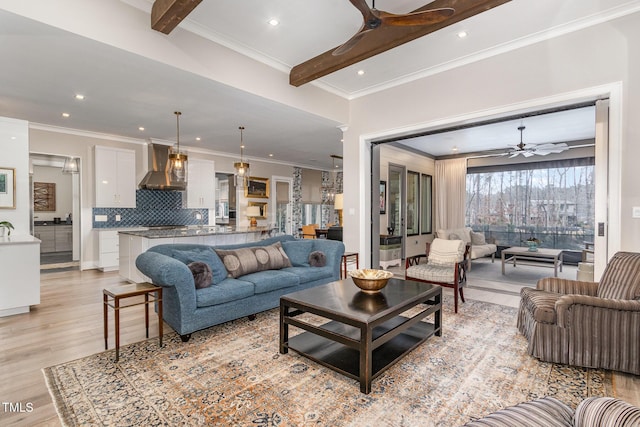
177,159
329,188
242,168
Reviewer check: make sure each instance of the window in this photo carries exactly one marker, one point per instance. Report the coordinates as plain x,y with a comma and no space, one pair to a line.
413,203
426,204
552,201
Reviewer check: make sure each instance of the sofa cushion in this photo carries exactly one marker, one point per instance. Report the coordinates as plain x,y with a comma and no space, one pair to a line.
243,261
228,290
308,274
479,251
298,251
463,234
206,255
271,280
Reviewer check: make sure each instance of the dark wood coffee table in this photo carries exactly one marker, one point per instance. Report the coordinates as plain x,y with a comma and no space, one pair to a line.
365,333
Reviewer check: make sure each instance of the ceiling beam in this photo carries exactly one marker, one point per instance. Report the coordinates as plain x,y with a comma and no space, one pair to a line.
167,14
385,38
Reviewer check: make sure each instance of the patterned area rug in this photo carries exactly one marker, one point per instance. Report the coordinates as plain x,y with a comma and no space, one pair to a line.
233,375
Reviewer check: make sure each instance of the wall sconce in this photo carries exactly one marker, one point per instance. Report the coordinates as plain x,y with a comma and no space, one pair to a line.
253,212
338,204
70,165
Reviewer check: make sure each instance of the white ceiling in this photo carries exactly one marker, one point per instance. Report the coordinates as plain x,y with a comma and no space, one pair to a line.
43,65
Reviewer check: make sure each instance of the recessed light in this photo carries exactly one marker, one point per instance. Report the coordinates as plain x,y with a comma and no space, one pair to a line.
79,96
198,138
270,154
462,34
274,22
361,72
141,128
66,115
454,149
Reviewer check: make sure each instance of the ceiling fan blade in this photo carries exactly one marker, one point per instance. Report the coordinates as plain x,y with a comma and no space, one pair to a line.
349,44
385,38
427,17
527,153
514,154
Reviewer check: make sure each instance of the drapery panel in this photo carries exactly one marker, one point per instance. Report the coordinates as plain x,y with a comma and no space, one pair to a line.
450,193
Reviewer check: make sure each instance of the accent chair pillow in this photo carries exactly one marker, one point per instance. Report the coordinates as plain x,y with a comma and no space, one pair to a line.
478,238
206,255
241,261
445,253
317,259
298,251
202,275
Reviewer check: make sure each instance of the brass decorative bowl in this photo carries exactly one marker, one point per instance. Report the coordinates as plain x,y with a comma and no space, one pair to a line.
370,280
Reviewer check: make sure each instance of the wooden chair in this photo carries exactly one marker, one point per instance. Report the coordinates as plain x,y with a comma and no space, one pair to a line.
445,266
309,231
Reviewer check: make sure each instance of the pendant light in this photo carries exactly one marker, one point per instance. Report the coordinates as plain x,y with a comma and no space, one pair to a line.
242,168
177,159
70,165
329,188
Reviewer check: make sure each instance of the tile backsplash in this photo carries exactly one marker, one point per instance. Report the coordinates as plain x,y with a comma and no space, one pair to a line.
153,207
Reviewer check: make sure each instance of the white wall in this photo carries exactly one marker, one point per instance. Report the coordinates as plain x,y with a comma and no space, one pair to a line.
14,146
598,56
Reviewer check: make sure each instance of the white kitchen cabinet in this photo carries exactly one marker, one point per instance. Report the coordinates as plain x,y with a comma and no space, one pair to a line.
20,284
115,174
201,187
108,250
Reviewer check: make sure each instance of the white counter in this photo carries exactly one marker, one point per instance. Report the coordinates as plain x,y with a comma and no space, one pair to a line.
20,267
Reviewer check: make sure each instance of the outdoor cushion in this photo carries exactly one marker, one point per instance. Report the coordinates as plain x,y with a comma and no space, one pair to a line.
434,273
298,251
206,255
242,261
228,290
477,238
463,234
270,280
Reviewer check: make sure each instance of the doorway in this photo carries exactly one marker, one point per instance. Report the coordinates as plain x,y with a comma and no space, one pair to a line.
55,207
281,210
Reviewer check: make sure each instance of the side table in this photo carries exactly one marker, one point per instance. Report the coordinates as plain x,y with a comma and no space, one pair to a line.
348,257
111,298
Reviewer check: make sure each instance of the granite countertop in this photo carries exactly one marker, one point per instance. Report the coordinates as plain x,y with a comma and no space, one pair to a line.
193,231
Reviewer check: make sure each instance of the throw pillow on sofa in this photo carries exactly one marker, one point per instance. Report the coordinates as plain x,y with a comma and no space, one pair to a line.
206,255
317,259
298,251
202,275
478,238
239,262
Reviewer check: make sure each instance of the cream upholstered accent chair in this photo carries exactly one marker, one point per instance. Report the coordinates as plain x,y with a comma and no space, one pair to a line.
585,323
444,267
480,245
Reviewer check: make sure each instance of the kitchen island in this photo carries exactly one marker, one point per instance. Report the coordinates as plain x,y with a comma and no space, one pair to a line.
134,242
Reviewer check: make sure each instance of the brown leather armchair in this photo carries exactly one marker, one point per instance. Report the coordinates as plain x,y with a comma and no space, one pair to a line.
585,323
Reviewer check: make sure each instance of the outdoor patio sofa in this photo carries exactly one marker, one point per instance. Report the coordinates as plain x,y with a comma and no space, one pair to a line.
480,245
187,309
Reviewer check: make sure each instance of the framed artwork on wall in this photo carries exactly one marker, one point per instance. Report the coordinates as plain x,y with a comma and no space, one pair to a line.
257,187
44,196
7,188
383,197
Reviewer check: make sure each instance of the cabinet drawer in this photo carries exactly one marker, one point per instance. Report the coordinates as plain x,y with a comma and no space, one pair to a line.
109,260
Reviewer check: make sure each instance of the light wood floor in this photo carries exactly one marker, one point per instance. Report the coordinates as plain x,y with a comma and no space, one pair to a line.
67,325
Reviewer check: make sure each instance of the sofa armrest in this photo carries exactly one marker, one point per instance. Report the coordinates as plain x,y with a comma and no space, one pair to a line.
333,251
592,305
168,272
600,411
567,286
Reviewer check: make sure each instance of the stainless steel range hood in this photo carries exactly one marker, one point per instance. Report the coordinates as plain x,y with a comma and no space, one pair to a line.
158,177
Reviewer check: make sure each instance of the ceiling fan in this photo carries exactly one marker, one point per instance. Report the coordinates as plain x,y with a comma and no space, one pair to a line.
531,150
374,18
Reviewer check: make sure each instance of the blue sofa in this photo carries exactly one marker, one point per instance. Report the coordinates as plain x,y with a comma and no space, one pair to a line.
187,309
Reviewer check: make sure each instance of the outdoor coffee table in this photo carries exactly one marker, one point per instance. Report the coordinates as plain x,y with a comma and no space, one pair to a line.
365,333
542,258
